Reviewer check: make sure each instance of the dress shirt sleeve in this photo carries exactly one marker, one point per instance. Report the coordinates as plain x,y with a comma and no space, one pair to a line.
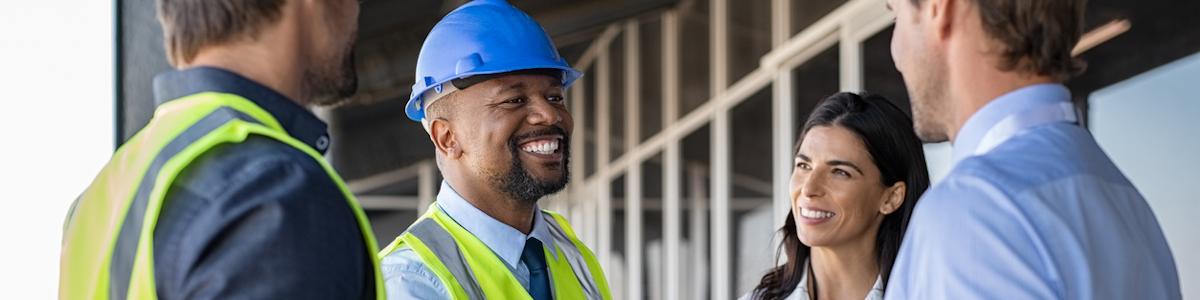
406,277
969,240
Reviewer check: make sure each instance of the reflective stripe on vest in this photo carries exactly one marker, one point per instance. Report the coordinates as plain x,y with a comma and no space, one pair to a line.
470,270
108,242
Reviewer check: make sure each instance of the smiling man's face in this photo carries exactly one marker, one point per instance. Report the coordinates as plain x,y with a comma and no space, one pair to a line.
514,131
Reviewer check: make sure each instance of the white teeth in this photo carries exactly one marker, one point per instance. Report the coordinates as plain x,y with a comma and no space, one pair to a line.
541,147
815,214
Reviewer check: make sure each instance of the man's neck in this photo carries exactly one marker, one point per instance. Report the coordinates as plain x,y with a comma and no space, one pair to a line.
971,90
496,205
279,70
845,271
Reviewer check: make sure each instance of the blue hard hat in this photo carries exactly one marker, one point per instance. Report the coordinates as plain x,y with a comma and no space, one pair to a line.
482,37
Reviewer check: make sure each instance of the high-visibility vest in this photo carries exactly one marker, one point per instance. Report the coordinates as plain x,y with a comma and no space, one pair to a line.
470,270
108,244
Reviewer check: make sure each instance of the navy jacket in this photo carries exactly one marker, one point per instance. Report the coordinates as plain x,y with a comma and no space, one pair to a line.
258,219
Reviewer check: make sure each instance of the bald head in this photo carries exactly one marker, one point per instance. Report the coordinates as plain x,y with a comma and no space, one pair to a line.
442,108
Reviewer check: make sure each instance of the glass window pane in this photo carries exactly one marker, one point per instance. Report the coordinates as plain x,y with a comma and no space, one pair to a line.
696,234
880,76
749,36
750,146
616,100
620,269
589,127
807,12
693,59
814,80
650,42
652,228
1146,124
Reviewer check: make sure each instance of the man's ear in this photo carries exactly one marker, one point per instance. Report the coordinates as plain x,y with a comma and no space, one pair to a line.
444,141
941,14
893,198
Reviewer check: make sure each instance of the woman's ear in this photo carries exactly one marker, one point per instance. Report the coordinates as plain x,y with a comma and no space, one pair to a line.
444,141
893,198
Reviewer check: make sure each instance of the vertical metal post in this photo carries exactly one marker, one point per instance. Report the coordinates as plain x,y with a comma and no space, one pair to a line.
720,206
783,120
781,147
850,59
719,44
633,175
588,209
720,153
698,197
603,139
579,197
118,76
672,215
781,21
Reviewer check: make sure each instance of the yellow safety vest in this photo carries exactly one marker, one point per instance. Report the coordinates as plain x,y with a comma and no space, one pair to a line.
470,270
108,244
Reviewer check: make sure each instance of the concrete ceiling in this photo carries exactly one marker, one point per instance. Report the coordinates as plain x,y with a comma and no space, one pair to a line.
373,127
372,135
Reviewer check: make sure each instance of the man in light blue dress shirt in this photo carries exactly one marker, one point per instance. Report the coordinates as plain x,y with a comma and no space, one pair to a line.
1032,208
489,91
407,277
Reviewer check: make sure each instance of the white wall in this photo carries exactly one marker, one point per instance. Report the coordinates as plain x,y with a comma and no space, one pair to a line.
56,119
1147,125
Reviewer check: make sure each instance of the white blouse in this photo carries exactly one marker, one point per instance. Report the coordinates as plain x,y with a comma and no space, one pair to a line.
801,291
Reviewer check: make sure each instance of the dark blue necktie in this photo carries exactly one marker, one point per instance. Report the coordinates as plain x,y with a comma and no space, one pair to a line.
535,260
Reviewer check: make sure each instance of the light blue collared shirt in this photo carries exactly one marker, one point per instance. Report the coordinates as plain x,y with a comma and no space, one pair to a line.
406,276
1032,209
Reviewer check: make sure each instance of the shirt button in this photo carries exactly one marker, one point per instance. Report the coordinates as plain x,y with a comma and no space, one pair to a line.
322,143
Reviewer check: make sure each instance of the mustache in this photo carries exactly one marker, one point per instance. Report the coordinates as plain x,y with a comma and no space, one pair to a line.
552,130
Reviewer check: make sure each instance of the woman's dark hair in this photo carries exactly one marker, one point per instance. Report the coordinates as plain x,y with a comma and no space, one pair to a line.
895,149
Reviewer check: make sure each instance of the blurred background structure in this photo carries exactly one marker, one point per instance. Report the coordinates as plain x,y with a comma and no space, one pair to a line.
688,113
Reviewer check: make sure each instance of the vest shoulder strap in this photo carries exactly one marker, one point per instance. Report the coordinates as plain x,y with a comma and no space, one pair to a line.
575,272
181,131
583,263
440,252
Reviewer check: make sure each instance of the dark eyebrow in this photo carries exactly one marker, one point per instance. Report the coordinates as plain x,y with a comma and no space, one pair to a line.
834,163
889,6
515,86
846,163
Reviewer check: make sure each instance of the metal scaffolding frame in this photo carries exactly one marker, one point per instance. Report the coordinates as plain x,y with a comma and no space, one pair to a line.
590,203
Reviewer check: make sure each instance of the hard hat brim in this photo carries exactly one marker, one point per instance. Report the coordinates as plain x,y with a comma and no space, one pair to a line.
414,110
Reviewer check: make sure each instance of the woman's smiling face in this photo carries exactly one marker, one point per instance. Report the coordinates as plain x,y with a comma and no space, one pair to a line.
837,193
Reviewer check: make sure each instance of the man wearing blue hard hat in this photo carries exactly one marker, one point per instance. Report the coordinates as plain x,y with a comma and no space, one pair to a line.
489,91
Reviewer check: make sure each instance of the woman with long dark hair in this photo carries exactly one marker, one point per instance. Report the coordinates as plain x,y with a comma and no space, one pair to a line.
859,170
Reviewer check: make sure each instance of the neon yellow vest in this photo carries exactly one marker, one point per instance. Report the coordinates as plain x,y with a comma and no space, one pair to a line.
470,270
108,248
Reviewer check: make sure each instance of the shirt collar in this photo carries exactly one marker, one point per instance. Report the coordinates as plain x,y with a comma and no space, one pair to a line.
801,290
295,119
1015,102
507,242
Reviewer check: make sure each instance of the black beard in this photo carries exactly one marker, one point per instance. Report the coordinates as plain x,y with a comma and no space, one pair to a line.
519,185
